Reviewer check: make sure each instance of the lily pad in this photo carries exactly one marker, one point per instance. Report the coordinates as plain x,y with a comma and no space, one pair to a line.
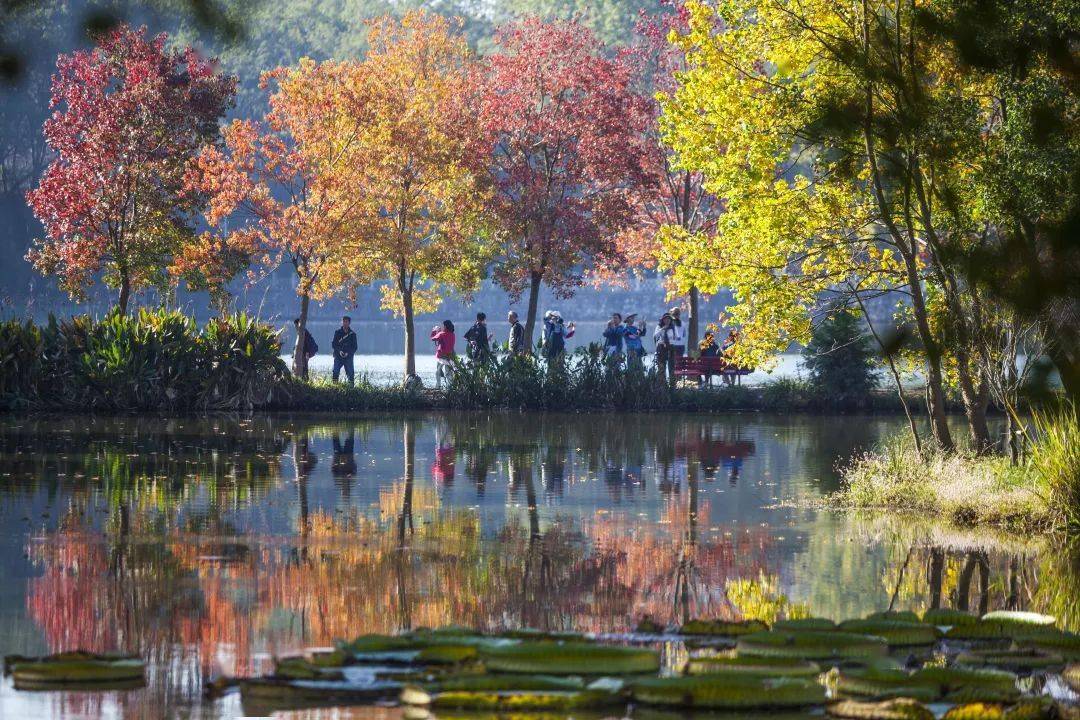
728,693
722,628
75,667
805,624
1015,660
812,645
569,659
897,633
899,709
756,666
511,700
1018,617
949,617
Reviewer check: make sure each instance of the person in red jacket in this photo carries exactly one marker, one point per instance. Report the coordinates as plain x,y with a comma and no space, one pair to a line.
443,337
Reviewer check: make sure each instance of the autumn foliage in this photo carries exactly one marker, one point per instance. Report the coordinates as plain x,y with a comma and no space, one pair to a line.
129,115
559,116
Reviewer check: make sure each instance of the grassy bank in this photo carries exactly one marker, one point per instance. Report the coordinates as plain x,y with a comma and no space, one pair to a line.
615,392
1042,491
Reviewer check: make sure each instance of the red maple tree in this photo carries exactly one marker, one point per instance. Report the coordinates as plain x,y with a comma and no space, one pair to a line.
667,196
128,116
560,117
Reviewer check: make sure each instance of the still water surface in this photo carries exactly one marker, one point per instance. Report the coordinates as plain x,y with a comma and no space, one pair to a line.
210,546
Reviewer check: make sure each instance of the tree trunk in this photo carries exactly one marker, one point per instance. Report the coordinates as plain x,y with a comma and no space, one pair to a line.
125,293
936,573
1066,362
530,315
300,360
935,384
410,329
692,322
974,406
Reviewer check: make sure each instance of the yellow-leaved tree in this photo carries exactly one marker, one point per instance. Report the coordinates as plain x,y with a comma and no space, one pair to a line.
414,166
843,143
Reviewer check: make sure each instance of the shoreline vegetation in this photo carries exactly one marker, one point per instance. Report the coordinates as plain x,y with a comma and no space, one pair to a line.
1038,492
162,361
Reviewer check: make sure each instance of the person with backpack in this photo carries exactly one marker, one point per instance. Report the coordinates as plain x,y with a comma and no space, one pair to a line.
444,340
632,333
477,339
555,335
663,337
311,348
344,345
516,341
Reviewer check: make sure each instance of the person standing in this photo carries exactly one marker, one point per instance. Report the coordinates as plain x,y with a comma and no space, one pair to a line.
516,343
613,336
344,345
477,337
678,335
444,340
665,359
635,350
555,335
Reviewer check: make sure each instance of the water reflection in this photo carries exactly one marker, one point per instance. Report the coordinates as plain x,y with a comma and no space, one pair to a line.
210,545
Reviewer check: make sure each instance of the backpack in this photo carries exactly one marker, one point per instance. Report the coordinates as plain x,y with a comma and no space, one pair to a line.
312,348
555,342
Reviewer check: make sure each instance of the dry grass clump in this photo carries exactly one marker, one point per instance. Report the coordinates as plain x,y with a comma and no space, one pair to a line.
968,489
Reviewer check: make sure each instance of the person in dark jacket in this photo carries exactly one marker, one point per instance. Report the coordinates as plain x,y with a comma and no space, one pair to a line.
516,343
477,339
344,345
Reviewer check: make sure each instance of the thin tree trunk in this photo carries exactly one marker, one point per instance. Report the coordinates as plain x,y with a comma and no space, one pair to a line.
936,572
692,322
895,375
530,315
410,327
300,360
125,293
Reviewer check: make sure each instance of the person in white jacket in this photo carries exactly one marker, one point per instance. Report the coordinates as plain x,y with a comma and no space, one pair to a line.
678,342
664,337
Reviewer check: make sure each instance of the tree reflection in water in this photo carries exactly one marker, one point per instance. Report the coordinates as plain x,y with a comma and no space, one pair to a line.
210,545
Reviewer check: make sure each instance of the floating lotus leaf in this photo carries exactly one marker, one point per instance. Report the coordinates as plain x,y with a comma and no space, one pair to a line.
1032,709
499,683
75,667
759,666
511,700
949,617
804,624
569,659
330,658
728,693
1052,640
899,615
1024,659
899,709
378,644
883,683
722,627
272,692
812,645
897,633
1021,618
298,668
649,626
446,654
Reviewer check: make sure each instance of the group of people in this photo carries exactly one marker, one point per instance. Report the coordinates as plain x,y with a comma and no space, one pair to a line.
622,339
478,341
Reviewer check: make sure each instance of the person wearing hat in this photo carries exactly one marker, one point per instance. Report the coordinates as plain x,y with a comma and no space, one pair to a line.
555,335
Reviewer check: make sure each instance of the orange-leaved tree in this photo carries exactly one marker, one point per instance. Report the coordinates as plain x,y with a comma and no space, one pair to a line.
415,167
278,191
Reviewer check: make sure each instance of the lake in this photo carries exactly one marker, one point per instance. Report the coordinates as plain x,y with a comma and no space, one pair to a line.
211,545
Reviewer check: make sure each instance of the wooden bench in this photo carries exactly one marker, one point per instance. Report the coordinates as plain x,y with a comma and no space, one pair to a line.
706,367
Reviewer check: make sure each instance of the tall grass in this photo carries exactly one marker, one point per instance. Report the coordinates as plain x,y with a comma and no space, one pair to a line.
1055,464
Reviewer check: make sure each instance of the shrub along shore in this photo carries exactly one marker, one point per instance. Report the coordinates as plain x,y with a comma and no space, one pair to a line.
1039,491
161,361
